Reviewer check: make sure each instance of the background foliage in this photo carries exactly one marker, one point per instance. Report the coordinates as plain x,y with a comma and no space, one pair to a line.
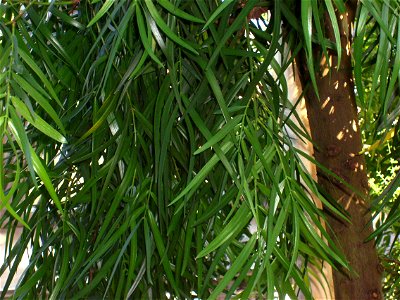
378,98
140,138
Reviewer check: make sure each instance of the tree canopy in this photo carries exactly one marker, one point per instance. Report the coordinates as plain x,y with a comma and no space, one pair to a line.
141,138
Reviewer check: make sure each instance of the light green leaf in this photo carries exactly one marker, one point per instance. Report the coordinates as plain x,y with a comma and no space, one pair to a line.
104,9
198,179
26,57
40,99
218,11
37,121
165,28
230,230
221,134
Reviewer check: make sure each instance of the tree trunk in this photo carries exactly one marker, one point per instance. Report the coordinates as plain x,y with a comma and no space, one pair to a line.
335,131
319,273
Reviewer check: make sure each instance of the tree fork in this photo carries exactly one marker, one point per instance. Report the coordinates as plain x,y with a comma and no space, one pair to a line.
335,131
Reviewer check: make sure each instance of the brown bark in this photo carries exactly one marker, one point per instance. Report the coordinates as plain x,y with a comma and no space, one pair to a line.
319,272
335,131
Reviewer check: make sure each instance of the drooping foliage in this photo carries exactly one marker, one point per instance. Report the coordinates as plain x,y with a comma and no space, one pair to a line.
140,138
377,54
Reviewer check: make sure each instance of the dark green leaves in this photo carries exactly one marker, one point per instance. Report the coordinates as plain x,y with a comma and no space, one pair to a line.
178,176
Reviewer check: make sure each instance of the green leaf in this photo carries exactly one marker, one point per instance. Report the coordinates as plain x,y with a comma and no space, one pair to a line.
198,179
44,176
161,250
340,5
238,222
32,158
212,80
103,10
102,273
335,27
21,138
306,20
221,134
40,99
217,12
32,281
382,22
178,12
165,28
145,37
37,121
26,57
243,257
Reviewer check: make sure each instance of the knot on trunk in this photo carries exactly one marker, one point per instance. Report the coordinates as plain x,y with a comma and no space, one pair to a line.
333,150
374,294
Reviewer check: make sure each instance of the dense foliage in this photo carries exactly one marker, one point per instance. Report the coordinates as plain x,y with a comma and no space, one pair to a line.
140,138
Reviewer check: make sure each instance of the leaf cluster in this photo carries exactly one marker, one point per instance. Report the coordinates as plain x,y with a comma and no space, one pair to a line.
140,139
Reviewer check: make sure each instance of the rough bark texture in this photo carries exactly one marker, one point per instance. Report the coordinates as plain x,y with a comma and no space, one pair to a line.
334,128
